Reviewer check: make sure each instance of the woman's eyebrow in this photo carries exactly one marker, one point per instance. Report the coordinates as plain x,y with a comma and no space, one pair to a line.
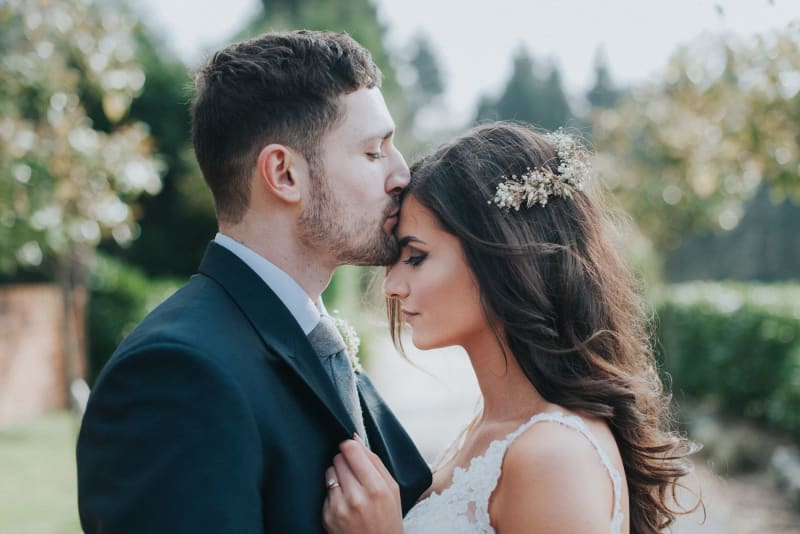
404,241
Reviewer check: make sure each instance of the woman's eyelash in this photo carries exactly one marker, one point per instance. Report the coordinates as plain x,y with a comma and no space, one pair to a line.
415,260
375,155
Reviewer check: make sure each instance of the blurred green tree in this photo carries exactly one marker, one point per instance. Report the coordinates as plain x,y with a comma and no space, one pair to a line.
359,18
764,246
684,154
428,83
423,80
555,111
181,218
603,93
65,180
529,98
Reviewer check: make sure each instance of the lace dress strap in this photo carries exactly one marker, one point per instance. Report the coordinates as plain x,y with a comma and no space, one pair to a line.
576,423
464,505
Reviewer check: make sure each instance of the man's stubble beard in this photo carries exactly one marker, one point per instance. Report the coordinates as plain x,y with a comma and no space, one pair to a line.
324,225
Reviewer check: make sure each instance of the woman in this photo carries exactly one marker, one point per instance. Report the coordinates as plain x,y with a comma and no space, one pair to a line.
506,255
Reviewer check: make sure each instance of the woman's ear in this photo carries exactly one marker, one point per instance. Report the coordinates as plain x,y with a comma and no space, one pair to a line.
279,168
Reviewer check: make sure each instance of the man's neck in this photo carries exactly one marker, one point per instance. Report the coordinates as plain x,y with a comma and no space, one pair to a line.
282,248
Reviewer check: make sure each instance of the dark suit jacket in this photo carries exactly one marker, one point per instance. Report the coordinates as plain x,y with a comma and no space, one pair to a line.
216,415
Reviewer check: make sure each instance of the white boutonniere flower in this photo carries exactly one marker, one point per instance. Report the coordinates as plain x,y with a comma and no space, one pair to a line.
351,341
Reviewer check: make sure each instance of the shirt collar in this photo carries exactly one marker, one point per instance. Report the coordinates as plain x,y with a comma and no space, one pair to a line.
294,297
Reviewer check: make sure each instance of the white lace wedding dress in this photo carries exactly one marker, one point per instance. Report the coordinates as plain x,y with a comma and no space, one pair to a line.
463,507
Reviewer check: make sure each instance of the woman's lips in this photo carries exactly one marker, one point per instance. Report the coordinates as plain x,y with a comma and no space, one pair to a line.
407,315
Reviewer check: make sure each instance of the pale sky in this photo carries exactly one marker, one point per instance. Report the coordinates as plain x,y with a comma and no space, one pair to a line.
475,40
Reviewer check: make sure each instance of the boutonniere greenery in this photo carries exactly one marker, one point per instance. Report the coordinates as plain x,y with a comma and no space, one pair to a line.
351,341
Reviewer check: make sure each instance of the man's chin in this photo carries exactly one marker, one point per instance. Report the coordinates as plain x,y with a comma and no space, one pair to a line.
378,254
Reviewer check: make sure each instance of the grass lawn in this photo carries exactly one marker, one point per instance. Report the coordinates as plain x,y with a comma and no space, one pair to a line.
38,493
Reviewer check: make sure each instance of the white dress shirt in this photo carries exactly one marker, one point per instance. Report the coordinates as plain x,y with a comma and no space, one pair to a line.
294,297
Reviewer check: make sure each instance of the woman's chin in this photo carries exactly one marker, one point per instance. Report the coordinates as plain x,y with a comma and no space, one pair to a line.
423,343
420,343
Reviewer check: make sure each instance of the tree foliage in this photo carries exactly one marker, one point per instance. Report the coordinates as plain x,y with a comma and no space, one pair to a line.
603,93
180,219
359,18
428,82
684,154
764,246
66,182
529,97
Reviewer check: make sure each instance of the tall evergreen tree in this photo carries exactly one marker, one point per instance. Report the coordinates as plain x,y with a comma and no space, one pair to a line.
359,18
603,94
528,98
518,100
291,6
429,82
521,98
486,109
554,109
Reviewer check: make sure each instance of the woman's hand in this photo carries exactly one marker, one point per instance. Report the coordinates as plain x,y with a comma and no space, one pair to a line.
362,495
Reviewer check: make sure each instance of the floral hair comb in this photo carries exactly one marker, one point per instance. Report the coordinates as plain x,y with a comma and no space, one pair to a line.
536,186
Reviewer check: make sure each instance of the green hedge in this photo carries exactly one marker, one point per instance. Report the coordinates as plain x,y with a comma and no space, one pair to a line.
120,297
734,345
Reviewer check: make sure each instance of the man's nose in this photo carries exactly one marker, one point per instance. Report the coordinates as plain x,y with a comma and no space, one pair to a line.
400,175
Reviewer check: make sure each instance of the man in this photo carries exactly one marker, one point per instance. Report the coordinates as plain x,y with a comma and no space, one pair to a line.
218,414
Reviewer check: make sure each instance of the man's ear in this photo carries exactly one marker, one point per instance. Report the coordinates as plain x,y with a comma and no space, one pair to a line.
278,168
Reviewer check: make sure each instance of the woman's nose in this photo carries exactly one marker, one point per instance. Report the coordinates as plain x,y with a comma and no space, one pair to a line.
393,285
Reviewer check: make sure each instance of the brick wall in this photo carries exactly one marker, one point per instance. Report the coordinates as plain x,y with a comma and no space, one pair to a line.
32,356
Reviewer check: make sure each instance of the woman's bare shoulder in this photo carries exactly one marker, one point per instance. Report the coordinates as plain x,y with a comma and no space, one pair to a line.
553,480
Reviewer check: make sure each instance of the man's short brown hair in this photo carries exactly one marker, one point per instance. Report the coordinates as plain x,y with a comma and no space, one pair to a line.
281,87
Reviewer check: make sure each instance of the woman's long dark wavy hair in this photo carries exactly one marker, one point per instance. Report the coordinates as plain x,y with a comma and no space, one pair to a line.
566,304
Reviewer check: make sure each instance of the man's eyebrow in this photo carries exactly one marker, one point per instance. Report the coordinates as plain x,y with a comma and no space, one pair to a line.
404,241
383,135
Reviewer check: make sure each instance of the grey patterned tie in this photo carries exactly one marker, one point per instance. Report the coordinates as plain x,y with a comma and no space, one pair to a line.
328,342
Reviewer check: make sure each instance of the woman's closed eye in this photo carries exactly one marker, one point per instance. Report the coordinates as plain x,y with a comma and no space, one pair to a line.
415,259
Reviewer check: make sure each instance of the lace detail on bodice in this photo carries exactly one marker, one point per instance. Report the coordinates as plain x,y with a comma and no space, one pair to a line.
463,506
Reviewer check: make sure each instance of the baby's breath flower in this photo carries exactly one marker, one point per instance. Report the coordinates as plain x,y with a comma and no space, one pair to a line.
537,186
351,341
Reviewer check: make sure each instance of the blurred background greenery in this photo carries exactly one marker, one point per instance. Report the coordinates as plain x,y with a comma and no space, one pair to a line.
99,189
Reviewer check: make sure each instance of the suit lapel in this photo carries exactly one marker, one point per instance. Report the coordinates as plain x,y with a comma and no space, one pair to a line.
392,444
278,329
275,324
